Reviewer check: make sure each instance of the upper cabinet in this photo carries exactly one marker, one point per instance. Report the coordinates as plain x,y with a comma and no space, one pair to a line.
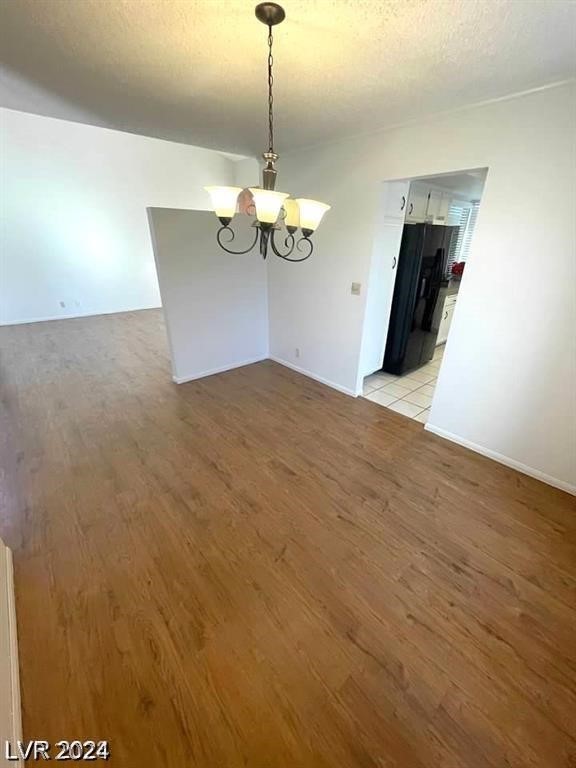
427,203
417,203
445,204
434,202
395,200
438,206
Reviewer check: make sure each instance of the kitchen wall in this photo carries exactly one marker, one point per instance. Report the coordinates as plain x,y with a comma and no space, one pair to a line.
74,234
508,382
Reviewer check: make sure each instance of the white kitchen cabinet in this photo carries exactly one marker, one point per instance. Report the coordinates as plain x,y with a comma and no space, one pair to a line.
395,200
379,296
444,208
417,203
446,320
438,206
434,202
427,203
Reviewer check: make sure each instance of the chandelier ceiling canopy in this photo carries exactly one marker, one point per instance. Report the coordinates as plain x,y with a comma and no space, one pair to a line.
270,208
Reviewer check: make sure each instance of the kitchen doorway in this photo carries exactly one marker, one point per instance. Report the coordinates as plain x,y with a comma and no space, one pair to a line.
424,243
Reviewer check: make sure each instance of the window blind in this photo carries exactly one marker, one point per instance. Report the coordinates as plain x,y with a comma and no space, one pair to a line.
469,233
458,215
462,214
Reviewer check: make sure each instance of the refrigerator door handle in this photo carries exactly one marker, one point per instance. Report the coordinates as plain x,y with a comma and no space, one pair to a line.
422,288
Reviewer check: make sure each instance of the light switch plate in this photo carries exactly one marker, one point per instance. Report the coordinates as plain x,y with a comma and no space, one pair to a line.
355,290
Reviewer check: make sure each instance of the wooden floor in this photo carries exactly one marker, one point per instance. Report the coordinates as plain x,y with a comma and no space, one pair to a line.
253,570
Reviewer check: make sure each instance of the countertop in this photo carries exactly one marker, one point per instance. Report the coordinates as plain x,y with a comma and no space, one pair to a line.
449,288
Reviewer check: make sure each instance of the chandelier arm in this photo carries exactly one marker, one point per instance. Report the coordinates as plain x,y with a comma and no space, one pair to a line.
289,243
303,241
226,228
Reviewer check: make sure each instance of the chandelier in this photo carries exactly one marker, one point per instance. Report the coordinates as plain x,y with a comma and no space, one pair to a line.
269,207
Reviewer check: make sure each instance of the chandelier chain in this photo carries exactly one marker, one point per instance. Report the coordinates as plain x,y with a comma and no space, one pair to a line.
270,94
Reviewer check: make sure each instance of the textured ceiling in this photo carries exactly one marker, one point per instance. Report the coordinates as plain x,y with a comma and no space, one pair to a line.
194,70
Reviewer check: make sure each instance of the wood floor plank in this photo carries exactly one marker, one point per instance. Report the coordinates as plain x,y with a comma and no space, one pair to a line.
252,570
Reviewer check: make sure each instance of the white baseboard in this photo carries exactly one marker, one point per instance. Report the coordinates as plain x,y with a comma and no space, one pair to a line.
49,319
501,459
12,728
213,371
314,376
309,374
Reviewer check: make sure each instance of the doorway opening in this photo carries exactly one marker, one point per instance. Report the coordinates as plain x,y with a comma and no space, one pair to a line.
423,245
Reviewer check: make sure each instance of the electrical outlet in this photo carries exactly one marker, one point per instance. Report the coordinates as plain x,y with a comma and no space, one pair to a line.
297,352
355,289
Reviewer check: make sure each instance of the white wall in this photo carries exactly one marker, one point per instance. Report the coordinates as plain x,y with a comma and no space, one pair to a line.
508,380
247,173
73,214
215,303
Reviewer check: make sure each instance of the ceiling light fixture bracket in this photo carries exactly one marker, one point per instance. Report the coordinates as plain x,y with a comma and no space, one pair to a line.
270,14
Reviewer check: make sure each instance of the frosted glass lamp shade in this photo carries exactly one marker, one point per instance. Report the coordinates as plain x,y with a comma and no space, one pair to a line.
311,212
292,213
224,200
268,204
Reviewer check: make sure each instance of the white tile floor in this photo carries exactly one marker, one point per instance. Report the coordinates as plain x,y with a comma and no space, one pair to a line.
411,394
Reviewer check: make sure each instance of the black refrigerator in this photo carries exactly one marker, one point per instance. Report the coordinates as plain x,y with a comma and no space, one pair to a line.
413,326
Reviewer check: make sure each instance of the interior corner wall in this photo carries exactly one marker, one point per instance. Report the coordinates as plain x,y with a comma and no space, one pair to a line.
74,237
508,381
215,304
